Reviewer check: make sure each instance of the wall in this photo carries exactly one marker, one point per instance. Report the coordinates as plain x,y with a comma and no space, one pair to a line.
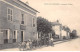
57,29
64,33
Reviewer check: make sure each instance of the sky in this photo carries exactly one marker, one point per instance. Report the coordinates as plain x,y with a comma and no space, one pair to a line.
66,11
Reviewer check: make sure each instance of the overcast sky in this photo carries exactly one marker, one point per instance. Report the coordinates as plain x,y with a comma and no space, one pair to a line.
66,11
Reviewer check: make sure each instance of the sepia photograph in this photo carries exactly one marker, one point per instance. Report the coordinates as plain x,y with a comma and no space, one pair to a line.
39,25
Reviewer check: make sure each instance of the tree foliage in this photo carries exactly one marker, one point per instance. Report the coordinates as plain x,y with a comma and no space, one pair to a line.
67,29
73,34
43,25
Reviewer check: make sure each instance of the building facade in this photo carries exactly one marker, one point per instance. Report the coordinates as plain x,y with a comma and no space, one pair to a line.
57,27
60,31
17,22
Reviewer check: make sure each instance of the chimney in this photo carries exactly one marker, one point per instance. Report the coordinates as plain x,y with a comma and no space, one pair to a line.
27,3
57,20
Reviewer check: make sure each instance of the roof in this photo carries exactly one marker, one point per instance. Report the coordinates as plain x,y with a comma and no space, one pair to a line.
55,23
27,6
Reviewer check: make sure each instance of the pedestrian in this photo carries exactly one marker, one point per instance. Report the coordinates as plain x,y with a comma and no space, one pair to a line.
24,46
28,45
32,44
20,46
52,42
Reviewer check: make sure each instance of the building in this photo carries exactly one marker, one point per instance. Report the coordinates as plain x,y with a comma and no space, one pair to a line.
17,22
64,34
60,30
57,27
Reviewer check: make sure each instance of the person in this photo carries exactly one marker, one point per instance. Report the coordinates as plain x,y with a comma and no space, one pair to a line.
24,45
52,42
28,45
33,44
39,43
20,46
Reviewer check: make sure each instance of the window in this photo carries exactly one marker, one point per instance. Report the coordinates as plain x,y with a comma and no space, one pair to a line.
22,22
6,34
10,14
15,34
33,22
22,17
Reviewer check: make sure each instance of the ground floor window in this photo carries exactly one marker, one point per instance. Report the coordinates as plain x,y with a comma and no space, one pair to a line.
5,32
22,36
5,35
14,36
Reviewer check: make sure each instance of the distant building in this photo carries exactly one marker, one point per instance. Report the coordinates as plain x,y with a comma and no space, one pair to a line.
17,22
57,27
60,32
64,35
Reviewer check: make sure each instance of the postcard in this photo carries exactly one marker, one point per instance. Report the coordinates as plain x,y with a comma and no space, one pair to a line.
39,25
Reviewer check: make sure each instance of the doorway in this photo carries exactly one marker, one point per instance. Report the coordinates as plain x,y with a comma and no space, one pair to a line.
22,33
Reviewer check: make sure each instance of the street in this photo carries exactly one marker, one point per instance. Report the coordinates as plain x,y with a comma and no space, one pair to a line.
73,45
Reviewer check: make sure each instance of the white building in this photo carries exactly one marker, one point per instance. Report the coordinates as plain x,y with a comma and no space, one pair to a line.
57,27
59,30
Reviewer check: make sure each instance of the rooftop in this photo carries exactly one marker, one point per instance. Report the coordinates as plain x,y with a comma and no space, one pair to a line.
55,23
27,5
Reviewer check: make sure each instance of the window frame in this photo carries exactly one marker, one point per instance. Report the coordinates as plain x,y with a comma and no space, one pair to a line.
11,14
16,33
33,22
22,18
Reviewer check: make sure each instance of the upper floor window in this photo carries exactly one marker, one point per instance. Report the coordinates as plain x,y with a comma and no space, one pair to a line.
10,14
33,22
22,22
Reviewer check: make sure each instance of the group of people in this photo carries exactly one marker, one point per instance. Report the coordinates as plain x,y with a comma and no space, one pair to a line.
28,45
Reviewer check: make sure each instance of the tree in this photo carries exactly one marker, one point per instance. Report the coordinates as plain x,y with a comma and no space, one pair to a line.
67,29
43,25
74,32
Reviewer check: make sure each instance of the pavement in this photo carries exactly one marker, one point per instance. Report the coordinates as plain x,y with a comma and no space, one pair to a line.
72,45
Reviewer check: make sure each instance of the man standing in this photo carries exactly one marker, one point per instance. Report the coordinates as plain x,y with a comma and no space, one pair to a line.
51,42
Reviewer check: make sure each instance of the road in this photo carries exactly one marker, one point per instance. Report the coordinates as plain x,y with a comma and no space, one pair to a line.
73,45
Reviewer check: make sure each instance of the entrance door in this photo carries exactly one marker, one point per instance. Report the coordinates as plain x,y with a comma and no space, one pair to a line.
22,33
